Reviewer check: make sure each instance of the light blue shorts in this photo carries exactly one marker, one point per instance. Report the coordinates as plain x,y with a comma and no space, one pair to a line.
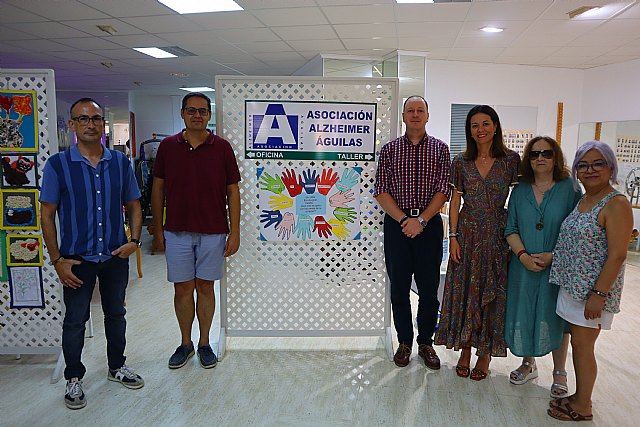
194,255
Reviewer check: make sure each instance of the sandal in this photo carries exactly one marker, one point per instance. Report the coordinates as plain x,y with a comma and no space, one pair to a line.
478,375
566,413
559,390
560,401
521,378
462,371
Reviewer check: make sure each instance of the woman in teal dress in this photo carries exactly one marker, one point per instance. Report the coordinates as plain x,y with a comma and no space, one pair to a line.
538,205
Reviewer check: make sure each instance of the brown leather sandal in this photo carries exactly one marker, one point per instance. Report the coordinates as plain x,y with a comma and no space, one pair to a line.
478,375
462,371
566,413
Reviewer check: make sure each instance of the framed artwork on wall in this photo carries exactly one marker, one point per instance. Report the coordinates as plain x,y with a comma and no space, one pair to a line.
19,171
3,256
25,287
18,121
24,250
19,210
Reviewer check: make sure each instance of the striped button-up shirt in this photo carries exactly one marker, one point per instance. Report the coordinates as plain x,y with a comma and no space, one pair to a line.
413,174
89,201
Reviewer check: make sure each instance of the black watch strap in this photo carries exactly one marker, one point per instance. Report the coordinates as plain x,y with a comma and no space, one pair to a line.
137,242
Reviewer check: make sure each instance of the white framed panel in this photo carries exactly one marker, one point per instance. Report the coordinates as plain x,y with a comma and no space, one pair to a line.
35,330
312,288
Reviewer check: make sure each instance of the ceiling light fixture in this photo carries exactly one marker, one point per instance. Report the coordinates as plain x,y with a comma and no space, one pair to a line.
156,52
492,29
581,11
198,89
107,29
201,6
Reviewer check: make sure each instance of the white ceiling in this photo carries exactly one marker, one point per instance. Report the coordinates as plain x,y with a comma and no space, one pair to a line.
276,37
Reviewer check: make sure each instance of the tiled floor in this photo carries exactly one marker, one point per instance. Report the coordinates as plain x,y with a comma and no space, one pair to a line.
305,381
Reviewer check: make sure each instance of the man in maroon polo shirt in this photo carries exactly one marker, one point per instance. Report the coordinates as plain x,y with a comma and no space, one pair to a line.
195,176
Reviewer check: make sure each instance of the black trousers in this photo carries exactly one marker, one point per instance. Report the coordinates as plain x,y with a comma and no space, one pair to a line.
419,258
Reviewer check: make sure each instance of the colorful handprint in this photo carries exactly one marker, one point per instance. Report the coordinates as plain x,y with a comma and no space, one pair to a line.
303,227
270,183
321,226
339,229
280,201
340,200
345,214
290,181
269,218
349,179
286,226
309,180
326,180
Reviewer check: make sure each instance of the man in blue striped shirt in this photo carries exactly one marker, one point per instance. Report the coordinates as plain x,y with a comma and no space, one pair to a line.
87,185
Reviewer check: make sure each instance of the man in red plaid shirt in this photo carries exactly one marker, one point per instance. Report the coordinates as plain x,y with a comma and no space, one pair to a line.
412,184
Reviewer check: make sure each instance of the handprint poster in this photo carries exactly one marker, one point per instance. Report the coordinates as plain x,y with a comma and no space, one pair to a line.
307,203
18,121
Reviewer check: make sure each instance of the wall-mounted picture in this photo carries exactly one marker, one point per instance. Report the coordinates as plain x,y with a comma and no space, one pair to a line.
24,250
3,256
19,171
18,121
19,210
25,287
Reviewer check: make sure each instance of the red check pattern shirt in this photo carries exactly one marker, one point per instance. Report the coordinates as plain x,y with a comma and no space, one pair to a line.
413,174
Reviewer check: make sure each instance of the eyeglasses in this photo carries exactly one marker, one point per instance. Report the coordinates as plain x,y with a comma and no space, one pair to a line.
192,111
534,154
84,120
596,166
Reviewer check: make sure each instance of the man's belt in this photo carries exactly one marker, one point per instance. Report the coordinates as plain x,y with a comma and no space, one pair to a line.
413,212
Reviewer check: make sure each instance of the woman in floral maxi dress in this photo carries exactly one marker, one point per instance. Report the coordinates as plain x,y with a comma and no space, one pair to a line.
474,303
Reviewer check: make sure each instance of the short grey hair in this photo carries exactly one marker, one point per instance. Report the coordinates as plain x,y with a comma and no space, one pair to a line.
605,151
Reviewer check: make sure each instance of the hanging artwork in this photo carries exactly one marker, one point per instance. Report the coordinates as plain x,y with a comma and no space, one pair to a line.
25,287
18,121
19,210
24,250
3,256
313,203
19,171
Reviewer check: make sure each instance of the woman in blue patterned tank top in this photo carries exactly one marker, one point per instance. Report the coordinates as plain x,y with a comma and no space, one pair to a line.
588,265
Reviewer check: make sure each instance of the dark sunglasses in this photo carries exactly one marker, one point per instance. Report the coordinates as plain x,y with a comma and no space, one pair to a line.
534,154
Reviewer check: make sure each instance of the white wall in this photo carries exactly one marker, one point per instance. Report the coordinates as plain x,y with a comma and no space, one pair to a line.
611,93
501,84
159,114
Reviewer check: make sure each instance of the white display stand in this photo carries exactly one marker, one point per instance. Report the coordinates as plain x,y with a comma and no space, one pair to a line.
35,330
311,288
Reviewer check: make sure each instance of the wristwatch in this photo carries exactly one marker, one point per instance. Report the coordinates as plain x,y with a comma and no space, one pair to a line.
137,242
422,222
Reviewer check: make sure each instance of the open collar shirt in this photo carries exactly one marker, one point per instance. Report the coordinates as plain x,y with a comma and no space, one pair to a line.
89,201
413,174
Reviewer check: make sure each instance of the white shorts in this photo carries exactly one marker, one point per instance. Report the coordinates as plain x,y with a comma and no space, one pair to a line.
573,312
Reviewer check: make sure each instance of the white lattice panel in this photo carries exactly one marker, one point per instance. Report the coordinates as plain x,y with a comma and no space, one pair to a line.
313,287
34,329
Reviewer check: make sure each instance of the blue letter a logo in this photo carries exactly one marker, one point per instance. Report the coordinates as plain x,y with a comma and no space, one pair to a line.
275,130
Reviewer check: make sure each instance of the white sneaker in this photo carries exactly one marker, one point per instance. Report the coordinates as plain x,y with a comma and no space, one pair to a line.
74,397
125,376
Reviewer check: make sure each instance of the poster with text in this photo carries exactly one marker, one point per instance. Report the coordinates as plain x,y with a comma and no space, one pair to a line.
305,130
309,203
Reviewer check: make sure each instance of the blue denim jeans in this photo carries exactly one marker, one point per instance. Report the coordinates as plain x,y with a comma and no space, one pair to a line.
112,276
